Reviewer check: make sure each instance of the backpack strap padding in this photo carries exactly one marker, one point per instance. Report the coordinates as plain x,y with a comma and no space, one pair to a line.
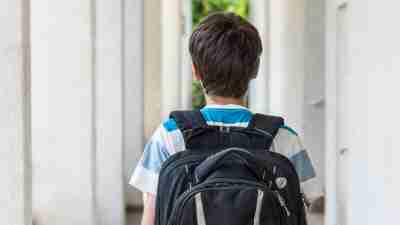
188,119
267,123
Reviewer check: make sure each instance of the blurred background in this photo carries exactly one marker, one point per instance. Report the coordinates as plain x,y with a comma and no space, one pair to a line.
84,83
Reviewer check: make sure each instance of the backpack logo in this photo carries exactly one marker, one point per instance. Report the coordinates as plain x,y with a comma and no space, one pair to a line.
281,182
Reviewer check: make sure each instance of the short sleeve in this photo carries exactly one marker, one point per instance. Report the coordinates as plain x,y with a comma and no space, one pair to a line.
288,143
145,176
165,141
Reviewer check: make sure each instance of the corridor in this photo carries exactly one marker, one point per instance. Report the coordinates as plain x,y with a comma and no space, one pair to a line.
84,83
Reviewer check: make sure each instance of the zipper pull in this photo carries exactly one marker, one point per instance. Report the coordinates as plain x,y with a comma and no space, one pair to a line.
270,184
282,202
188,174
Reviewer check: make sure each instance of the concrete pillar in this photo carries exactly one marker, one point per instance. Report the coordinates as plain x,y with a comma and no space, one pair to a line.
286,60
152,66
259,99
186,71
133,93
15,164
171,34
108,103
314,87
63,115
77,80
331,117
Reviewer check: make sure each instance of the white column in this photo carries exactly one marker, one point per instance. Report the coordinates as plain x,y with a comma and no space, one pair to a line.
63,116
133,92
109,72
186,71
152,66
171,34
259,88
77,84
15,170
314,87
286,60
331,208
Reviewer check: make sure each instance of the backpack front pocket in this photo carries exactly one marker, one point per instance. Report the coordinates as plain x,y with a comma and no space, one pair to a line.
221,203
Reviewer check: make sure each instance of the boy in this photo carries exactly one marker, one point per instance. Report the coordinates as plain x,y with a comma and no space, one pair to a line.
225,51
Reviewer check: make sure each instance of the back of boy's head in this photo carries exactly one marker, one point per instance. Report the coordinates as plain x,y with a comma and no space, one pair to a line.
225,51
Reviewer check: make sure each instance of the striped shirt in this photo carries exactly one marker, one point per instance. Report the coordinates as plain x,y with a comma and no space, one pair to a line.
168,140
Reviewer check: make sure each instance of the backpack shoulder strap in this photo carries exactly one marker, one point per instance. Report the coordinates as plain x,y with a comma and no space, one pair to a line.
267,123
188,119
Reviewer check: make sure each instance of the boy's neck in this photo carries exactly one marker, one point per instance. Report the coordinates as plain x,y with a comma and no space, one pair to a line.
216,100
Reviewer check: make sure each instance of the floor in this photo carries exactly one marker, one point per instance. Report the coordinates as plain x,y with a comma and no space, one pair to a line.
133,218
315,219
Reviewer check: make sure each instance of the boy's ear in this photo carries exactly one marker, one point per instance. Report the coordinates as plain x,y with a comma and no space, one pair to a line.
195,73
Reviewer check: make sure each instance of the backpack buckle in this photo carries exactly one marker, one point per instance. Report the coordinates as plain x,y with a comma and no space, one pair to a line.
224,129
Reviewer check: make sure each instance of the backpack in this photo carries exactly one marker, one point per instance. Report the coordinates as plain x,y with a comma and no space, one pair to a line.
228,176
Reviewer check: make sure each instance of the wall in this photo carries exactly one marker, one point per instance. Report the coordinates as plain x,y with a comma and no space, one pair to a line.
15,158
374,53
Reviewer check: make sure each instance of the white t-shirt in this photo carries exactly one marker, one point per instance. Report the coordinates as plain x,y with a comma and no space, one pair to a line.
168,140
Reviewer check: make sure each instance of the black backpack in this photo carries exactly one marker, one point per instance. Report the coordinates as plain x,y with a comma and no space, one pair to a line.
228,176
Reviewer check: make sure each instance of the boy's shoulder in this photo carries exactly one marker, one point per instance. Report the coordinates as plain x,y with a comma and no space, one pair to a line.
170,126
286,142
287,136
288,131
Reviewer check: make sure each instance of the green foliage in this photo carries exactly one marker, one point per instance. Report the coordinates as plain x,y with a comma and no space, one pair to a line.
200,9
198,98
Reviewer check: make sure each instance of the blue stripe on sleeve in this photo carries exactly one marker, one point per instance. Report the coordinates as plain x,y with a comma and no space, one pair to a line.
154,155
303,165
170,125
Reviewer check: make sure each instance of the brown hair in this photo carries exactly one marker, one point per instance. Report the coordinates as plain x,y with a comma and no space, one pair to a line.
225,50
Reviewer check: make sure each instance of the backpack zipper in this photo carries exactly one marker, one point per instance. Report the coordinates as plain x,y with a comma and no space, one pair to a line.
282,202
